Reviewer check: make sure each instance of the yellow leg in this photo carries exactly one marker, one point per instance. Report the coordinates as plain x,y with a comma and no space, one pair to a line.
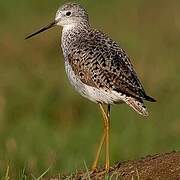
94,166
107,138
106,126
107,144
104,139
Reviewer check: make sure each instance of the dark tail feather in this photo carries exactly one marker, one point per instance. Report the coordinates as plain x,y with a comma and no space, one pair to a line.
148,98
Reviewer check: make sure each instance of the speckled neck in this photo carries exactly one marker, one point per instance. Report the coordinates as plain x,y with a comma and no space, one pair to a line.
71,33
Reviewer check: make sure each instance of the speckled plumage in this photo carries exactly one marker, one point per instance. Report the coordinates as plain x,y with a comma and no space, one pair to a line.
97,67
95,64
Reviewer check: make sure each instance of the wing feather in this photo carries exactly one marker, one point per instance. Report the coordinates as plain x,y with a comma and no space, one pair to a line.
99,62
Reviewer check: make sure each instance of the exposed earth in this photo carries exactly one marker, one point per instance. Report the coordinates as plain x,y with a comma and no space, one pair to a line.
155,167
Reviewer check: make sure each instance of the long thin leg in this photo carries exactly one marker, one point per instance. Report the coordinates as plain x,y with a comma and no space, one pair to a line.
106,125
94,166
107,138
108,113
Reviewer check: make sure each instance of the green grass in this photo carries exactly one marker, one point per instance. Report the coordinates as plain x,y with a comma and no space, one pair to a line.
44,123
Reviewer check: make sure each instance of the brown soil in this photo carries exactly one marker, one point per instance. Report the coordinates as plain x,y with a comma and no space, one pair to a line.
156,167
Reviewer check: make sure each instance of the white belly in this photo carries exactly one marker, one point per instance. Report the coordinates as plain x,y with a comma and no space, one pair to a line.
92,93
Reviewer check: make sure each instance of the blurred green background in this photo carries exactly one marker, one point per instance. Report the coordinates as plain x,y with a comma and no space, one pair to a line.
45,123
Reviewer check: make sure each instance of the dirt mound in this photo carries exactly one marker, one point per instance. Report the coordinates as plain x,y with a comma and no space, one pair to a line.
156,167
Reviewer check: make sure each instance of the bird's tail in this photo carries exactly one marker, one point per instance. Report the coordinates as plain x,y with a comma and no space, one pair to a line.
148,98
137,105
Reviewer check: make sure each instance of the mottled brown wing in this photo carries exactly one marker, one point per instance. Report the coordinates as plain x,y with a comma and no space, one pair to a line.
99,62
123,75
81,71
94,73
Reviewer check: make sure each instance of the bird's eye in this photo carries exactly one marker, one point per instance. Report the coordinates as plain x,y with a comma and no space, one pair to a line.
68,13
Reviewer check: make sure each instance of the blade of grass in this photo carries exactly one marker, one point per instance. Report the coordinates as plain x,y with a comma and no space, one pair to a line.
42,175
87,171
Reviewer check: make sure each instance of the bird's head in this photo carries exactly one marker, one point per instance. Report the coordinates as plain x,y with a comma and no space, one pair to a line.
68,14
71,13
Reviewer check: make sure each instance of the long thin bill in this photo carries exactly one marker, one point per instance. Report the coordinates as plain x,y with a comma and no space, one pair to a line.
52,24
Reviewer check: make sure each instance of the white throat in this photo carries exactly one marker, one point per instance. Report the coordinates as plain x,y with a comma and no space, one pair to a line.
68,27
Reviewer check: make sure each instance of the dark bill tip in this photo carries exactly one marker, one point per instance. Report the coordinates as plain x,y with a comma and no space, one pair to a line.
52,24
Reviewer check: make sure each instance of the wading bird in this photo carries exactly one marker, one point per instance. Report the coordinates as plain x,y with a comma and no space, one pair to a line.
97,67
